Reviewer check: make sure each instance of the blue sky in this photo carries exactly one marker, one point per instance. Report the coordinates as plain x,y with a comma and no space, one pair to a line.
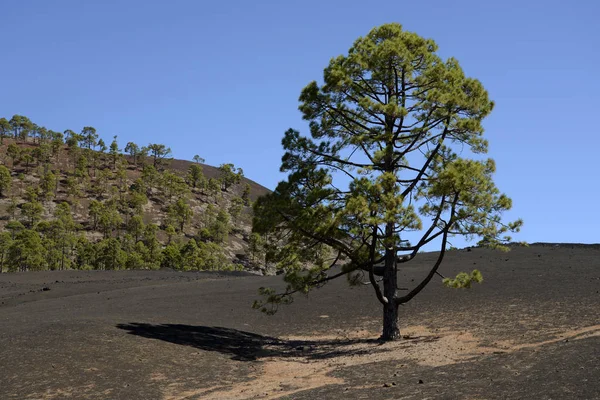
222,79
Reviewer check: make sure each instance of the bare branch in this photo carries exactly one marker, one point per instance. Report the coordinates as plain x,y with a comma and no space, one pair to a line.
421,286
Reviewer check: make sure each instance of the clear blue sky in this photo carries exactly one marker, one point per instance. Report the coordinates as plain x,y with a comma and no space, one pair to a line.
221,79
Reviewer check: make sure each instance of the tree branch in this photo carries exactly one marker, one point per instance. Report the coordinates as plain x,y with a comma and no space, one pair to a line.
336,159
426,165
421,286
382,299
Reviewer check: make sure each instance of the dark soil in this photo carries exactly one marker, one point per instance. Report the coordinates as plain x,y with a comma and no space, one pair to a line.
531,330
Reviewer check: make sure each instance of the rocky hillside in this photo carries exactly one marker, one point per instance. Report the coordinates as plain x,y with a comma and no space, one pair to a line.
70,201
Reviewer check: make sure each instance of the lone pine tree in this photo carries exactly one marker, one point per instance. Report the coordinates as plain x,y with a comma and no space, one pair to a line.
384,163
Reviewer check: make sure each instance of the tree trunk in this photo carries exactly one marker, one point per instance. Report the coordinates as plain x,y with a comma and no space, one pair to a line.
390,309
390,322
390,286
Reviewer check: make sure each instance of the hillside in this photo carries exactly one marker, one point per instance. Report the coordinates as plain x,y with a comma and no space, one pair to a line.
69,201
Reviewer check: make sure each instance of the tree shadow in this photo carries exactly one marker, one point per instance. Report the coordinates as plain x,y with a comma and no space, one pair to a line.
248,346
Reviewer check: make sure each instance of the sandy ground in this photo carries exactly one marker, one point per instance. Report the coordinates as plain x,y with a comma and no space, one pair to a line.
531,330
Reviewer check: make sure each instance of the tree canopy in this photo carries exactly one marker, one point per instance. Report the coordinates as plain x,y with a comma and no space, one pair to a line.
393,163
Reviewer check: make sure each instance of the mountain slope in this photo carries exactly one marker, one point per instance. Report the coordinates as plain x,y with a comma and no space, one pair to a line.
68,203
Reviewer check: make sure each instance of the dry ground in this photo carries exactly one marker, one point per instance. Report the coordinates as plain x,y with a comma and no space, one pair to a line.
531,330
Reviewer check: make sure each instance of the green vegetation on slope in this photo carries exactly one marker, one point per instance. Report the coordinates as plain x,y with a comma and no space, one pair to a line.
69,201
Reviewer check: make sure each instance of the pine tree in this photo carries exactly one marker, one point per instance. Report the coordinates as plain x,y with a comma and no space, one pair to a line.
195,177
219,229
159,153
246,195
5,129
89,137
180,213
14,152
109,219
5,180
235,209
32,211
135,227
26,252
133,150
48,185
5,243
229,175
114,152
21,126
382,161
